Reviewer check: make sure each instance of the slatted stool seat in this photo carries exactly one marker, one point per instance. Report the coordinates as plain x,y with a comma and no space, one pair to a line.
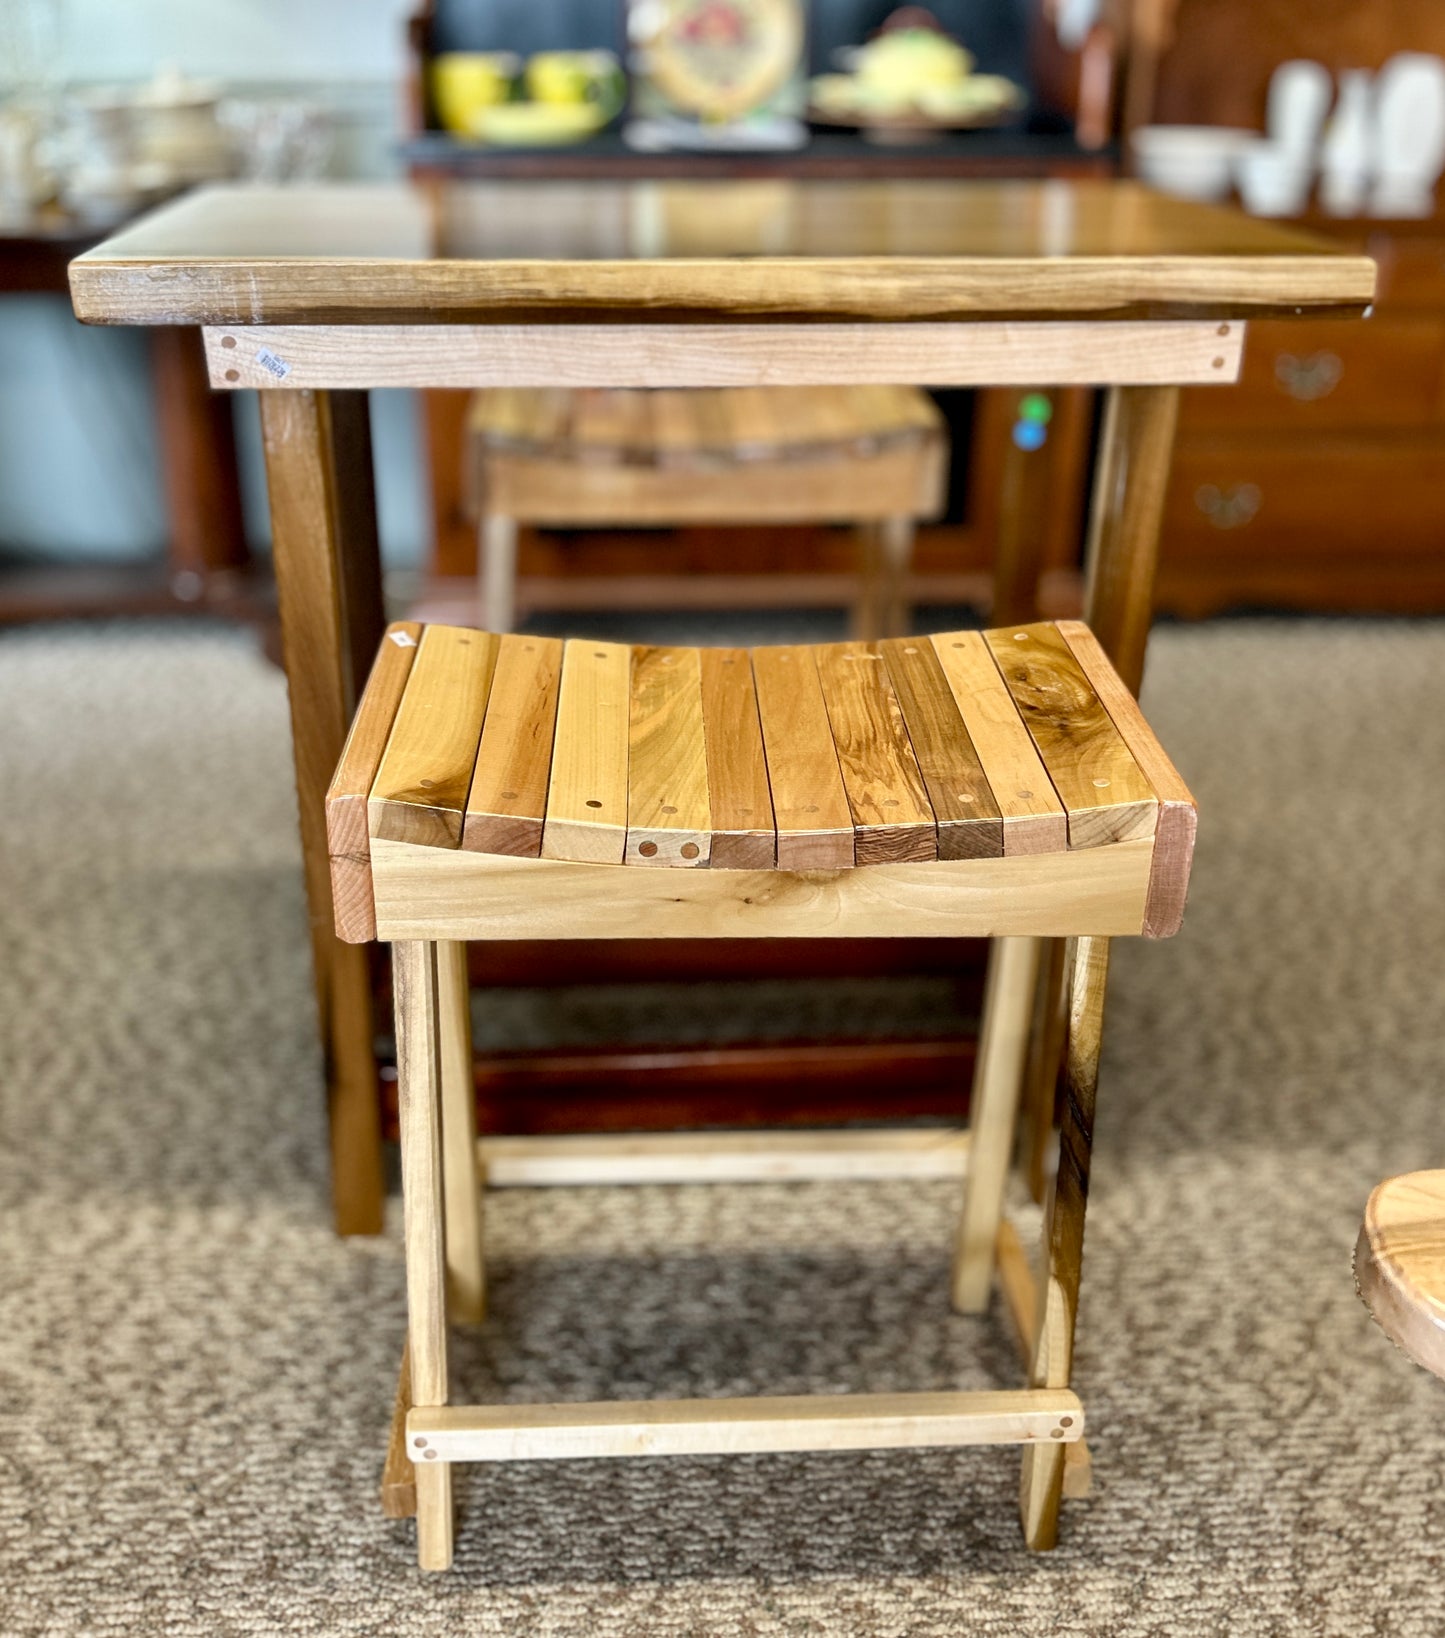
1001,784
871,456
1400,1264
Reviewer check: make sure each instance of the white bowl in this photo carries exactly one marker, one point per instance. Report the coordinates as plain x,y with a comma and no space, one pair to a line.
1193,161
1273,180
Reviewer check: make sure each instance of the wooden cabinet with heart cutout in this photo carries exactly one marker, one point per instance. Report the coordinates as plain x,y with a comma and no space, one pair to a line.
1319,481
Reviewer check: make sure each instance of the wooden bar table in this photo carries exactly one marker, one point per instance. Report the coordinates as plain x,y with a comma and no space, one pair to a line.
315,294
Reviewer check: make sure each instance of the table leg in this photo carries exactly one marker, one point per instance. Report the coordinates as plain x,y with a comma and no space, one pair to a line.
328,582
1128,507
198,465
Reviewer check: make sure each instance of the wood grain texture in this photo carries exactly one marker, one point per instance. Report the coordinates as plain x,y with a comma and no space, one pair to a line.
743,837
348,835
727,1427
669,816
398,1477
1033,817
1400,1264
1008,1006
1063,1239
599,357
328,253
587,790
1104,792
418,1051
969,823
810,807
328,584
507,803
461,1182
420,790
427,892
892,819
1178,813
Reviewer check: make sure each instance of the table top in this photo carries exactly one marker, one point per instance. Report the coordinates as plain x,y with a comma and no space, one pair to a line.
478,252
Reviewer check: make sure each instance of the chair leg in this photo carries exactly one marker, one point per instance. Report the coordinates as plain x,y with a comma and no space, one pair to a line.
1041,1486
896,539
462,1184
1008,1005
418,1061
497,570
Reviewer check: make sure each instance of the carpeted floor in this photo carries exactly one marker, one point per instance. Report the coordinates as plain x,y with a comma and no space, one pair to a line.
195,1376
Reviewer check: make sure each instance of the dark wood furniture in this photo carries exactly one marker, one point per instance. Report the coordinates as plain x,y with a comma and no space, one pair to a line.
316,294
207,558
1317,485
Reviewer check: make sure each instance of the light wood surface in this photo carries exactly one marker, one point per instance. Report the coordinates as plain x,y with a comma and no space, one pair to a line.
1104,792
587,791
347,831
669,815
1178,814
621,1158
1033,817
328,587
969,823
427,892
892,817
711,355
420,790
461,1181
700,430
810,806
507,803
1019,1291
1041,1484
727,1427
814,741
331,253
1400,1264
1008,1005
418,1053
744,836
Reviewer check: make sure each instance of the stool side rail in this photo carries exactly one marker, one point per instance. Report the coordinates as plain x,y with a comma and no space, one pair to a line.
719,1427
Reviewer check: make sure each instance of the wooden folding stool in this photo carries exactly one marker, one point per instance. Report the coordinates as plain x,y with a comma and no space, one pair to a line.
1001,784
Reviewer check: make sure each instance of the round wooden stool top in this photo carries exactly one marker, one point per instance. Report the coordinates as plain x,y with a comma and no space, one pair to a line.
700,427
1400,1264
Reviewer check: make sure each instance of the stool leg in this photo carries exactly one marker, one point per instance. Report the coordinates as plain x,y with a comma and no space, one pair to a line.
462,1190
497,566
418,1063
896,538
1008,1007
1041,1487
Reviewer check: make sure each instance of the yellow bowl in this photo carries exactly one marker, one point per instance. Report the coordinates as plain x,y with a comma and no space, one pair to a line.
466,83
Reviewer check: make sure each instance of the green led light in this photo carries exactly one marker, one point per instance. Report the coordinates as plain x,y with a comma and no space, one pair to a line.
1035,407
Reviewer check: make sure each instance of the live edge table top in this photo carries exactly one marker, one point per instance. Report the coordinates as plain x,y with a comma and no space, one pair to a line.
475,253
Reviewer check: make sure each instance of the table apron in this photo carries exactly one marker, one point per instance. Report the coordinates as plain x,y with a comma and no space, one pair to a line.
1082,353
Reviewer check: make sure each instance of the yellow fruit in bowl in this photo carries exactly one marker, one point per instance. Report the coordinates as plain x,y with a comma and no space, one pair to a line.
466,83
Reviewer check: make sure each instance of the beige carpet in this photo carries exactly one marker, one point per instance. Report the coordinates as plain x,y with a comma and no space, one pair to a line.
195,1376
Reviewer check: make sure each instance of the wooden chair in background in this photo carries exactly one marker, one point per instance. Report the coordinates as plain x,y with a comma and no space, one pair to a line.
871,456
